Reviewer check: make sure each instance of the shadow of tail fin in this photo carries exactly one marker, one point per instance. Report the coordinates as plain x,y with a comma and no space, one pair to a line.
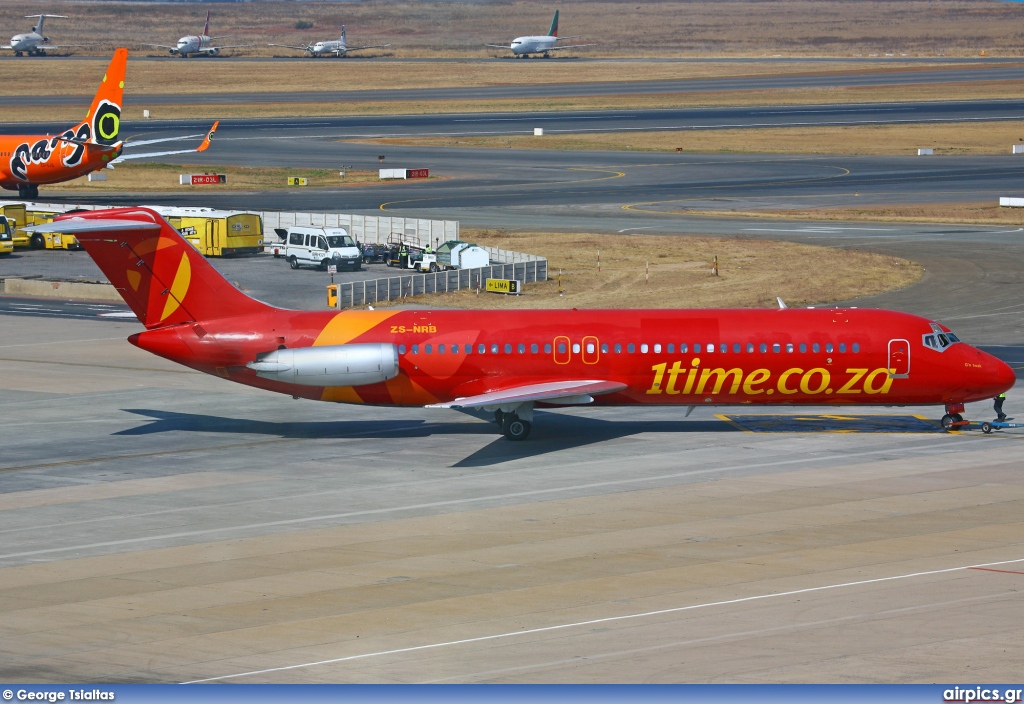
161,277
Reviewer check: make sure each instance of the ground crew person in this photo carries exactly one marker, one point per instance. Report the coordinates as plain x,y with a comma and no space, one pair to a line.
998,407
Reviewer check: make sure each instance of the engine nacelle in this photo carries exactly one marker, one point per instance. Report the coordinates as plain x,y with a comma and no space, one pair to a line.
333,365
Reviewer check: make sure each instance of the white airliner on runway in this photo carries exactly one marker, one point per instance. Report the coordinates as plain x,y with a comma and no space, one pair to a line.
337,48
34,43
197,44
522,47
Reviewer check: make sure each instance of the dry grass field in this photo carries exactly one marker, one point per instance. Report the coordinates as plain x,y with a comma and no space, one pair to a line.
751,273
674,27
945,138
185,77
164,177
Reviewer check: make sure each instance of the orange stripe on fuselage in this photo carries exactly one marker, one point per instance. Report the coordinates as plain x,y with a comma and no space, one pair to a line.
347,326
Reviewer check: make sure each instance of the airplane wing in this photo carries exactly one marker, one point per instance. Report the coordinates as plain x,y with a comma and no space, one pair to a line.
573,46
201,148
564,39
498,46
161,46
358,48
218,48
289,46
581,391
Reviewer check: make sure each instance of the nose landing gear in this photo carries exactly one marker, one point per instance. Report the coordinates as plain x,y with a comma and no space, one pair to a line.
953,420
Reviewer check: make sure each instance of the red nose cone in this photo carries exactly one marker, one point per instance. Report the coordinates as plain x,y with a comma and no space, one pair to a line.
1007,377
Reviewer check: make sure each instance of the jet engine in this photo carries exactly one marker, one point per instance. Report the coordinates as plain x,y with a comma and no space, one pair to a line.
333,365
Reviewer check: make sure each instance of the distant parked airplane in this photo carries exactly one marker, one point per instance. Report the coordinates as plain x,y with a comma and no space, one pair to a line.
197,44
524,46
338,48
34,43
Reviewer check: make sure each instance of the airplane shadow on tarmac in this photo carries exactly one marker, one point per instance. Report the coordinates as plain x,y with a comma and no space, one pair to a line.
552,432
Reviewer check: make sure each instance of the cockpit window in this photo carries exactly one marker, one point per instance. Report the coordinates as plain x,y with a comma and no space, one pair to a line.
938,339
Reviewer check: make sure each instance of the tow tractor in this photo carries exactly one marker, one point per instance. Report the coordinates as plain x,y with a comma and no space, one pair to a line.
989,425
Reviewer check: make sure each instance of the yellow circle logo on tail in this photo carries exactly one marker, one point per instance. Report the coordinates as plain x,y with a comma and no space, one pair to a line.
182,278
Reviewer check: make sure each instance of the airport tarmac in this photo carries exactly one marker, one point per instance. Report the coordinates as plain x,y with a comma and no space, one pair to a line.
161,525
456,124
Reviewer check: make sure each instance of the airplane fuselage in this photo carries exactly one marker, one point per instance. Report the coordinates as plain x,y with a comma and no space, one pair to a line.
40,159
668,357
327,48
194,44
532,45
30,42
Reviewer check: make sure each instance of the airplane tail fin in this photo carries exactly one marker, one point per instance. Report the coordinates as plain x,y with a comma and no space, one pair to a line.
163,278
553,32
103,121
206,29
343,42
38,29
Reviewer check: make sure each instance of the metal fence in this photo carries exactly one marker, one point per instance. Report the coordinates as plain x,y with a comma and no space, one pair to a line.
368,228
369,291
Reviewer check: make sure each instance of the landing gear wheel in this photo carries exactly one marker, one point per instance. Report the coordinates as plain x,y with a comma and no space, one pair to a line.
28,190
957,418
37,241
293,262
947,421
513,428
986,427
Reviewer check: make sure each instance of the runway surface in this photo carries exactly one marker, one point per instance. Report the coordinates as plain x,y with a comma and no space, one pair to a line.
892,77
570,121
160,525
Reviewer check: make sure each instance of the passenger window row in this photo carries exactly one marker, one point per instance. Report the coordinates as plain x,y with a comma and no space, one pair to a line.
631,348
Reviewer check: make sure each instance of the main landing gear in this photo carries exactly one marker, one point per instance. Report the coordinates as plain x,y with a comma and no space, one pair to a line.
953,418
28,190
515,423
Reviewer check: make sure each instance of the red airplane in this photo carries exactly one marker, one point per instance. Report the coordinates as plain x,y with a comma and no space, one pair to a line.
30,160
509,363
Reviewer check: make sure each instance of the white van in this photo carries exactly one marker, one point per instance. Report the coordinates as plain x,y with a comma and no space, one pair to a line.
320,247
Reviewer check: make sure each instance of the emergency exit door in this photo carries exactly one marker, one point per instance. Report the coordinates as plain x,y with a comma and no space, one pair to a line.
899,359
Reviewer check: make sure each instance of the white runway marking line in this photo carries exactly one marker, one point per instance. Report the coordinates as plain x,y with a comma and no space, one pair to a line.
729,636
608,619
928,449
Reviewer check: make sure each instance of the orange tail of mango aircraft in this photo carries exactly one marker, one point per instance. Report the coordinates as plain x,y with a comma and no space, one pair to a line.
509,364
26,161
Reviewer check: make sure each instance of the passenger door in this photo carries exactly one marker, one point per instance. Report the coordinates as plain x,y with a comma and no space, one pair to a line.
899,359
